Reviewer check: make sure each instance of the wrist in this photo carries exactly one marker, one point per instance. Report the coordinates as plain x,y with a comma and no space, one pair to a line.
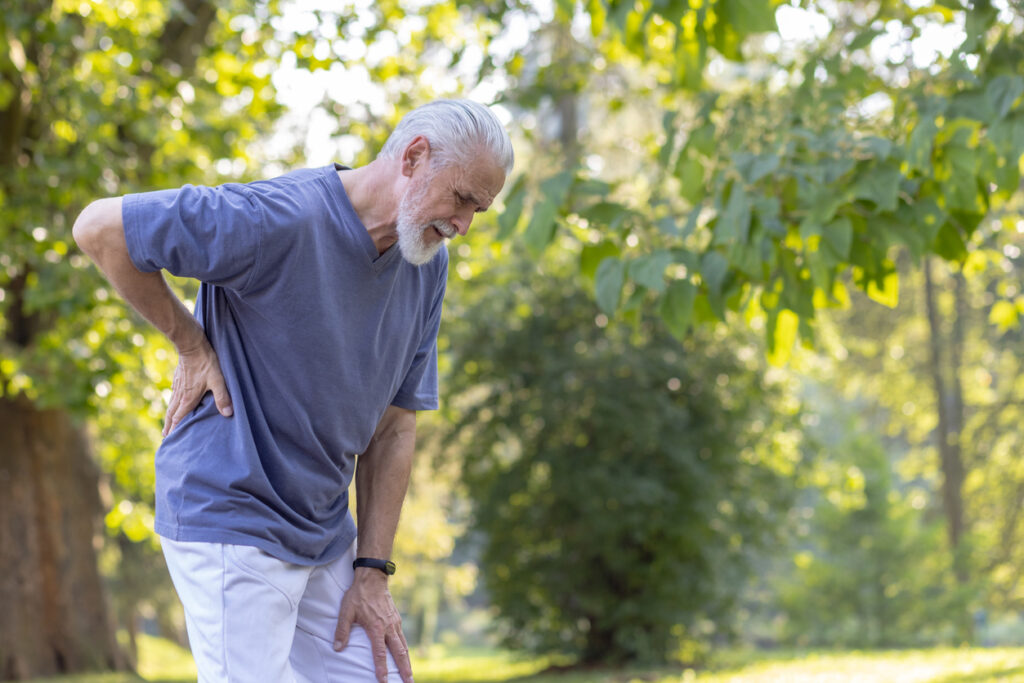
370,578
189,337
385,567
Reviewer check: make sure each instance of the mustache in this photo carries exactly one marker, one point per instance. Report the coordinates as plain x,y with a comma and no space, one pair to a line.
445,228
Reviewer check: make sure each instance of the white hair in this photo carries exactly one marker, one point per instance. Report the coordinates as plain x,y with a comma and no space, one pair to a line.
455,129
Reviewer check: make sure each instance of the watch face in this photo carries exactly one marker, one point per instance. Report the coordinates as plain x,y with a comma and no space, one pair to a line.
389,567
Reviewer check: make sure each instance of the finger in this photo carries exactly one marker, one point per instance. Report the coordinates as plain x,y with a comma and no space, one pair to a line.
220,395
400,651
380,655
185,405
341,633
180,412
172,409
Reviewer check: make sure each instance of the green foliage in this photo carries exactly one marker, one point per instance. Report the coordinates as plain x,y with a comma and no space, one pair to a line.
883,357
697,174
785,188
160,106
101,99
620,478
872,572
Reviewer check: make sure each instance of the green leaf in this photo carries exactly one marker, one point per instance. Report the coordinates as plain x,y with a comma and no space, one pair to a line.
879,184
702,140
919,146
667,226
691,221
509,218
753,167
767,213
690,172
914,225
556,188
747,16
618,12
607,214
838,235
878,148
1004,314
593,254
541,227
734,223
962,185
781,332
677,306
824,202
669,124
949,244
608,284
592,186
888,293
1007,136
713,269
746,258
649,270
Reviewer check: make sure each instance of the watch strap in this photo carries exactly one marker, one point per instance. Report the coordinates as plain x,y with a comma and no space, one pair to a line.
386,566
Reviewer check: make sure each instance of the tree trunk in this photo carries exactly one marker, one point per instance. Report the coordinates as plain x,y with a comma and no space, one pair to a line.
949,405
54,617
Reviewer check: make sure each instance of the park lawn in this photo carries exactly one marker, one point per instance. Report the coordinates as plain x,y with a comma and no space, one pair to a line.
163,662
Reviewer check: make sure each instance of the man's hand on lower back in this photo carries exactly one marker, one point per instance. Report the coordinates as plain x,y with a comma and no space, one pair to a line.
198,371
368,603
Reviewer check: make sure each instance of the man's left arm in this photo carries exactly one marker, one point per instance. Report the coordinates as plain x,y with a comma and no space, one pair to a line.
382,479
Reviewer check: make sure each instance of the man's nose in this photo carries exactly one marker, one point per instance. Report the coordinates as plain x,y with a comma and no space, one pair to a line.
462,221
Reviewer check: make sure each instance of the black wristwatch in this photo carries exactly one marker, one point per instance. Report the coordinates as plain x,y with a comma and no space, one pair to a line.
386,566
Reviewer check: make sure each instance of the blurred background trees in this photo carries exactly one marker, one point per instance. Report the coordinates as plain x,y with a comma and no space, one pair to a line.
621,479
697,189
95,99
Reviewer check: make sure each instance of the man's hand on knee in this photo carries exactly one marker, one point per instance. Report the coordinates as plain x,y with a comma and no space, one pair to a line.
368,603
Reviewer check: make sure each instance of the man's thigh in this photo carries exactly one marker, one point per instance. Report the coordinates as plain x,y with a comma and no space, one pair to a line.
241,607
313,657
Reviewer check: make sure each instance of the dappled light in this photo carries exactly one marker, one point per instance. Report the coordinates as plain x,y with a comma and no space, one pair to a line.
729,373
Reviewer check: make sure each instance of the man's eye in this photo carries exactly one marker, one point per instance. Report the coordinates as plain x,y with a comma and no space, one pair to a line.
459,199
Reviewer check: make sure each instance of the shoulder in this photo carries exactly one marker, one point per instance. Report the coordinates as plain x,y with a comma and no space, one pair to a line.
292,194
299,181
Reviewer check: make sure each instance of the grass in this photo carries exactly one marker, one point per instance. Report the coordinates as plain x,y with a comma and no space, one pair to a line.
164,662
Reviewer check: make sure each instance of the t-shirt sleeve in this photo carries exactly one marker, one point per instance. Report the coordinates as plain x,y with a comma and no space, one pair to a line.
208,233
419,388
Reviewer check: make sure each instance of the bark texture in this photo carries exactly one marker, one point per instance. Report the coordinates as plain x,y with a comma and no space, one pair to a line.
53,618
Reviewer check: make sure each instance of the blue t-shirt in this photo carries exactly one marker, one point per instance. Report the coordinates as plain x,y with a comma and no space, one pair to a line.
316,335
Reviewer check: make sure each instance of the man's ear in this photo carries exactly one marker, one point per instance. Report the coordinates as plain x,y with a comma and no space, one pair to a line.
416,154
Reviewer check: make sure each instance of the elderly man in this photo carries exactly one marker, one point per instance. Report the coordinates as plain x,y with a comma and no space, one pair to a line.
313,340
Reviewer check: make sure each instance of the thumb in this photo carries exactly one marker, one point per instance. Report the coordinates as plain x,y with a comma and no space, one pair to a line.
220,395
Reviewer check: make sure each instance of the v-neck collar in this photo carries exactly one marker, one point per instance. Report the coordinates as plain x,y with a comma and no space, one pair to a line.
375,260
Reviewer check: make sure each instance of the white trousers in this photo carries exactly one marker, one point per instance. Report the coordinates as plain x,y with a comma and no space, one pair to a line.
253,618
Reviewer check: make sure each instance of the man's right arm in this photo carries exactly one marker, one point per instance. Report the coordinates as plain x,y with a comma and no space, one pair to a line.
99,231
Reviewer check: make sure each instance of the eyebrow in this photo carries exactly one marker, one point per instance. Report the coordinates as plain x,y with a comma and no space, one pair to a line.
471,198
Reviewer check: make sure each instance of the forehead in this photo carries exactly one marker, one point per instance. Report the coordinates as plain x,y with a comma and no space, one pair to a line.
481,177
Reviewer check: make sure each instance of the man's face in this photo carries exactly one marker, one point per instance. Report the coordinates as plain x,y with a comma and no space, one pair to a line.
440,204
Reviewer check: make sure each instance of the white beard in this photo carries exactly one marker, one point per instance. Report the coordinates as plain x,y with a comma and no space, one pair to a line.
412,228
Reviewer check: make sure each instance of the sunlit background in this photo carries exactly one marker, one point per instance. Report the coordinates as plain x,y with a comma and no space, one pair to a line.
731,383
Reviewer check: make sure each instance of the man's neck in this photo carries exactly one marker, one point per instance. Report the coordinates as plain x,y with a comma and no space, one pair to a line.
371,192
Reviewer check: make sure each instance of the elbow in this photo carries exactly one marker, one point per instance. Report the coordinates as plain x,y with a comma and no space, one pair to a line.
85,228
92,226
